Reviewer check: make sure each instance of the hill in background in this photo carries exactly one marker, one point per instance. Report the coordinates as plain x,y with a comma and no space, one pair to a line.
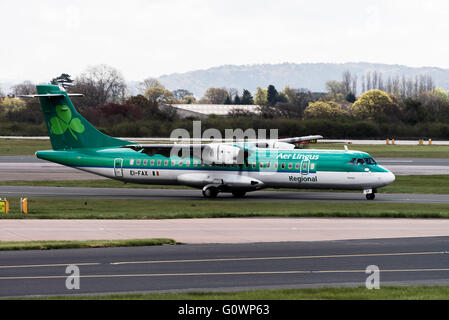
312,76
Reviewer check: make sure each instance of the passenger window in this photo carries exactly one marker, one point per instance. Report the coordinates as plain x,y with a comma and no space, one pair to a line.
297,166
180,163
261,164
290,165
173,163
360,161
138,162
145,162
253,165
159,162
283,165
131,162
269,165
152,162
166,163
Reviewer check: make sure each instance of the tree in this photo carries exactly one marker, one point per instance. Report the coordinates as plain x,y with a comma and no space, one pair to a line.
159,95
180,94
335,88
350,97
150,83
324,110
188,100
247,97
143,103
64,80
13,104
24,88
272,95
375,104
261,96
228,100
237,99
100,84
215,96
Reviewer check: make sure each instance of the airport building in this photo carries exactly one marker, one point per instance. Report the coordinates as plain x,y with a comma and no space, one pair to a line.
205,110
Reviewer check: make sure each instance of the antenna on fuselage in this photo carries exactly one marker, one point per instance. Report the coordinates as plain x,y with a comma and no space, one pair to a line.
346,148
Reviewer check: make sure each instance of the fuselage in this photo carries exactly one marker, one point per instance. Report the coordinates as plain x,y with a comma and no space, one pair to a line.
264,168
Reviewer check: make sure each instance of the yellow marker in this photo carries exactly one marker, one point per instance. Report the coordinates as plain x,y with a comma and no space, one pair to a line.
24,205
430,142
421,141
388,141
392,141
4,206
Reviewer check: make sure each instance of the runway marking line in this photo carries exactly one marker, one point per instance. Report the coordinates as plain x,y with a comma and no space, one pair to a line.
226,259
148,275
282,258
50,265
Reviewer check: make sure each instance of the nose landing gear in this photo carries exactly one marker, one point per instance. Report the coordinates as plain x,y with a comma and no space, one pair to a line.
210,192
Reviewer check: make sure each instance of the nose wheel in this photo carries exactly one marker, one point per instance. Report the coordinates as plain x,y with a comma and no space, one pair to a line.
210,192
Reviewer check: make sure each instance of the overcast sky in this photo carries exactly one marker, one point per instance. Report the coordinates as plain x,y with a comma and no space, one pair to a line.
42,39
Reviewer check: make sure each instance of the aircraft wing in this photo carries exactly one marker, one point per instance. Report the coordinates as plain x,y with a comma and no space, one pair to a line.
302,140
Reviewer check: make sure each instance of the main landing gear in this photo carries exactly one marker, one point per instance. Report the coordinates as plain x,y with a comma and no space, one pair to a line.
211,191
370,194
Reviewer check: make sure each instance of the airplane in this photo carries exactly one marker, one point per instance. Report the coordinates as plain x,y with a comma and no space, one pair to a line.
235,167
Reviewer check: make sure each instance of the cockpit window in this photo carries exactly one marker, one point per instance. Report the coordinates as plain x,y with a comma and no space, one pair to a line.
360,161
352,161
370,161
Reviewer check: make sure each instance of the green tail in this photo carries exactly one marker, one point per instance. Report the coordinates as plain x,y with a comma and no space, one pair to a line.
66,127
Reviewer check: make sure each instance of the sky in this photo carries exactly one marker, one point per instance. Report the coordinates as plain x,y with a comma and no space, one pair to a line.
149,38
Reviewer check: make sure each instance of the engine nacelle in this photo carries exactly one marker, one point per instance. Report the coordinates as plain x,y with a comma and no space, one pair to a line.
222,154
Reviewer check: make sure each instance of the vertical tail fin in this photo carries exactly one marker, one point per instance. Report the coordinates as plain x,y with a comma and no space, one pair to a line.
66,127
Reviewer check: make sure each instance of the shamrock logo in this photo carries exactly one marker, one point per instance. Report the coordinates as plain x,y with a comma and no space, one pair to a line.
64,121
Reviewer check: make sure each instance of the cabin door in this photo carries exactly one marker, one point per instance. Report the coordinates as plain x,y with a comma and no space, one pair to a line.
305,166
118,167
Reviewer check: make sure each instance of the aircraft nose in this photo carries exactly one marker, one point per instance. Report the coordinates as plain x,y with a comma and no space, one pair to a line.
389,177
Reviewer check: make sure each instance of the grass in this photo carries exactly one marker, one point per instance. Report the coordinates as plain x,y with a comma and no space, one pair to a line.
431,184
46,245
384,293
392,151
9,147
46,208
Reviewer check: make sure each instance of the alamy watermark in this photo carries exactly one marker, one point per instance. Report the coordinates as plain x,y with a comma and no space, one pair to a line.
373,280
73,280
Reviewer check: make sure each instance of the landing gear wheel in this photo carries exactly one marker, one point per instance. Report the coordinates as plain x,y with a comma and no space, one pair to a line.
210,192
370,196
238,194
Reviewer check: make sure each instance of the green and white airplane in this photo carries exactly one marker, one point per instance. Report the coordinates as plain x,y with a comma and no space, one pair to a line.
237,167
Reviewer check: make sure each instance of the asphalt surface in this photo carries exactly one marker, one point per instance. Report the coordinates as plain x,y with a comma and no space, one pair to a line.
410,261
187,194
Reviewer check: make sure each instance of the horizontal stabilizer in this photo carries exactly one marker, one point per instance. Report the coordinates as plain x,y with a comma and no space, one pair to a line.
49,95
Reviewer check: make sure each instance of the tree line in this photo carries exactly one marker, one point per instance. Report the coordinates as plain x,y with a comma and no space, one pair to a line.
399,106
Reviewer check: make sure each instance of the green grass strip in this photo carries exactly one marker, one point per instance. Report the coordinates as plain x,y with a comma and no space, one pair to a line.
46,245
47,208
384,293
